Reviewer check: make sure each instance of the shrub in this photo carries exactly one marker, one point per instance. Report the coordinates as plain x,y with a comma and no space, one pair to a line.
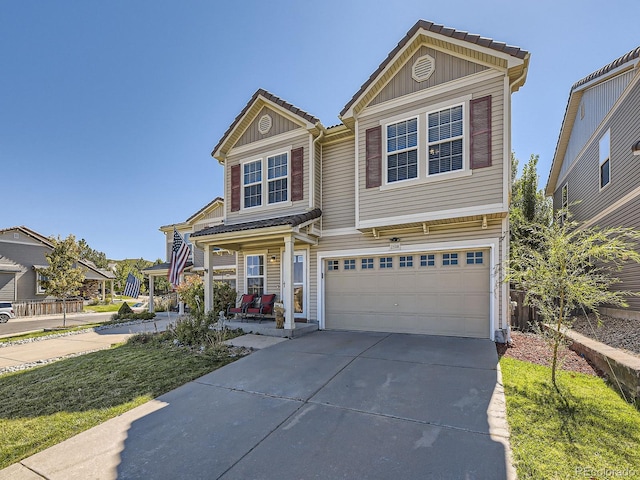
223,296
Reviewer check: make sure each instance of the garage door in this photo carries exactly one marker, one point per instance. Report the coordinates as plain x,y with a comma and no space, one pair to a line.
436,293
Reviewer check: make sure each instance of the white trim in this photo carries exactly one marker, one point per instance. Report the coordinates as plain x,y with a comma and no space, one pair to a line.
385,139
438,215
436,177
312,168
264,162
265,142
504,319
337,232
491,243
424,95
357,167
613,207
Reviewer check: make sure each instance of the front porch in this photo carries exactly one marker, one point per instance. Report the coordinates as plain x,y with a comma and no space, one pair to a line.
268,328
272,258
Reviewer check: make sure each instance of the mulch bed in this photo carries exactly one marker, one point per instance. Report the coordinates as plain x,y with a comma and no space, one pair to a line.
532,347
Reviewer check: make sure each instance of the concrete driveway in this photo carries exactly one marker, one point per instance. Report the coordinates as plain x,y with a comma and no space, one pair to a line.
328,405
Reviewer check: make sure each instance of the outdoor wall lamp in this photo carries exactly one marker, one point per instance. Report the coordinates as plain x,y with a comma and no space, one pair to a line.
635,148
272,259
394,239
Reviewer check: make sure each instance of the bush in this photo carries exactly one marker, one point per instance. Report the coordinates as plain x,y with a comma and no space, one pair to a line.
223,296
133,316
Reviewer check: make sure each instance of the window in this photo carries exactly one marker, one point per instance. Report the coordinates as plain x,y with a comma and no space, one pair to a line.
605,159
255,274
402,150
445,140
277,178
386,262
406,261
39,279
428,260
565,203
474,258
367,263
332,265
449,259
252,181
350,264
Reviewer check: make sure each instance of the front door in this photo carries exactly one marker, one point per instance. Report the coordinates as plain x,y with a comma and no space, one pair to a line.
300,284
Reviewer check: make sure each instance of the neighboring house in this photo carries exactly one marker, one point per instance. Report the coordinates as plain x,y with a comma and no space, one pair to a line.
22,256
596,170
223,263
395,220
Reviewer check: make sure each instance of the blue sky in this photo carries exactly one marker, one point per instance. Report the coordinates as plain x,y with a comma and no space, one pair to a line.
109,109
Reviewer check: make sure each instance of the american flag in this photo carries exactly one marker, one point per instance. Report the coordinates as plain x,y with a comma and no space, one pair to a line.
179,256
132,287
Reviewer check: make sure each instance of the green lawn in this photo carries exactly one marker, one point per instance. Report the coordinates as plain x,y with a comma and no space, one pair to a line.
44,406
587,431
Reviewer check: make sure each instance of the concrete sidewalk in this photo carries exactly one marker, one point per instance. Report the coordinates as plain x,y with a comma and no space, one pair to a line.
56,347
327,405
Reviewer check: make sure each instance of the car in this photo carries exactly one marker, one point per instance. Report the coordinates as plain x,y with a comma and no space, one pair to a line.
6,312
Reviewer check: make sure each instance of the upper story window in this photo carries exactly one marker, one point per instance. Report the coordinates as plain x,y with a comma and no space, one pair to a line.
252,181
445,140
402,150
605,159
277,172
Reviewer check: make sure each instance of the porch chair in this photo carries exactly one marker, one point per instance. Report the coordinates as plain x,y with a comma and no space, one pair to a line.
245,302
263,306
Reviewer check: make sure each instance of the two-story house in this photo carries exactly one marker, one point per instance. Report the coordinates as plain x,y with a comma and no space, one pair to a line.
223,263
595,171
395,220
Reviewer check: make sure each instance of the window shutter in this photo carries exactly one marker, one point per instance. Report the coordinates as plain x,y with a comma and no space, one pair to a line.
481,132
235,188
297,174
374,157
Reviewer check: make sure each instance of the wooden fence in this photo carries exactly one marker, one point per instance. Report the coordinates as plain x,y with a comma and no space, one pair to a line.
523,317
52,307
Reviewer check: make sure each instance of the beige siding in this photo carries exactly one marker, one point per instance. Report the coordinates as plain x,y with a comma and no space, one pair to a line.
447,68
223,260
584,178
484,186
338,185
279,125
263,212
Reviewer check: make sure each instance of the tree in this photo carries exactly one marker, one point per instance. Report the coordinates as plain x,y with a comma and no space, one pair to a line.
567,268
191,292
99,259
63,278
529,206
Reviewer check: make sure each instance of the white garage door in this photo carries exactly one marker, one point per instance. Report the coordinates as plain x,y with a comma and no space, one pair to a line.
436,293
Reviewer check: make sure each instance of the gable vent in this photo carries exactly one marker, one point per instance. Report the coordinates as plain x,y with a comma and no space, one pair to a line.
264,125
423,68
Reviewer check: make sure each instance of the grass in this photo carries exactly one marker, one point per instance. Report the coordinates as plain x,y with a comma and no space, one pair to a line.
111,307
46,405
25,336
585,431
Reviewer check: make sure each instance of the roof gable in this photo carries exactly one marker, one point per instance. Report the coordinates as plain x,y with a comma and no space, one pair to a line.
484,51
251,112
619,66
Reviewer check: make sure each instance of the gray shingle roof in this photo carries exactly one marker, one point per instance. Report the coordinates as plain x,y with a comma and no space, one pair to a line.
627,57
290,220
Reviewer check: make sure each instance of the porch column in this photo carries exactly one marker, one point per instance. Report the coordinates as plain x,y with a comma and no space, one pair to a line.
111,286
181,303
103,283
287,283
208,279
151,291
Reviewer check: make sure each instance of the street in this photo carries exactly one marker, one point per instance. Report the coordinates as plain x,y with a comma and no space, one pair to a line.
28,324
